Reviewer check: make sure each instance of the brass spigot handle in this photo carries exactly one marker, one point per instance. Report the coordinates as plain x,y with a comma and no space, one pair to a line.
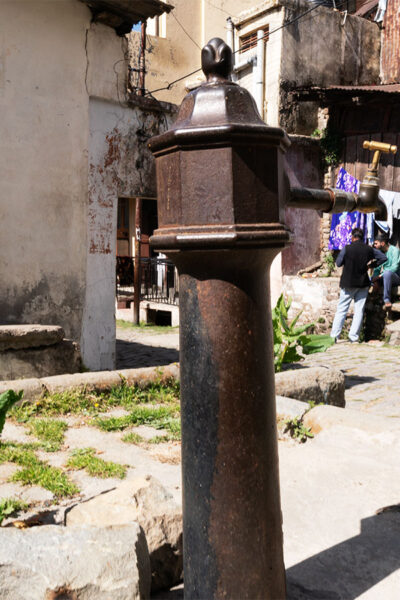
378,147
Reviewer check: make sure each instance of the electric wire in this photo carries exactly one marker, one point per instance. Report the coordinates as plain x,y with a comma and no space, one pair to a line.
267,35
184,30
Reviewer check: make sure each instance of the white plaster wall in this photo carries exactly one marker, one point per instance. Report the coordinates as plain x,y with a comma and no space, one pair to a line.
43,162
120,166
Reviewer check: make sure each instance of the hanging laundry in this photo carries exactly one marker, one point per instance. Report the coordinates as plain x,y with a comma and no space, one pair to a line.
396,205
388,197
343,223
382,6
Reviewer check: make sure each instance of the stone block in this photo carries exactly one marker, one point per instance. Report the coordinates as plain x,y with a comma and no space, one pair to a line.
32,388
146,501
317,384
93,563
14,337
63,357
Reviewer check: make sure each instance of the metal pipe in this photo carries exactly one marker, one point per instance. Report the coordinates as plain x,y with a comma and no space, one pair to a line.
260,72
230,38
142,62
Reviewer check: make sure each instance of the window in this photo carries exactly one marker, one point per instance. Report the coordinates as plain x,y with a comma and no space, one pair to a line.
249,41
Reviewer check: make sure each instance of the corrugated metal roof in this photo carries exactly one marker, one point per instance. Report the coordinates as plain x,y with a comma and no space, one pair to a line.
366,8
393,88
125,13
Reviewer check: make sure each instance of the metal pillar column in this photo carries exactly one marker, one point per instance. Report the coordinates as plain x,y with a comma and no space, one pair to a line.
221,185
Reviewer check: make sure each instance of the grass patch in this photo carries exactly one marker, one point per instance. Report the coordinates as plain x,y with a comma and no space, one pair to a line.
35,471
133,438
147,326
85,458
11,506
49,432
83,402
160,417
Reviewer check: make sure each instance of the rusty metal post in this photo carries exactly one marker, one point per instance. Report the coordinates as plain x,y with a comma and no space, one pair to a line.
220,191
137,273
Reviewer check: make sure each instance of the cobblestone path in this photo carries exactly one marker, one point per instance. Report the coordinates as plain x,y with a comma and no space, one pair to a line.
372,370
372,375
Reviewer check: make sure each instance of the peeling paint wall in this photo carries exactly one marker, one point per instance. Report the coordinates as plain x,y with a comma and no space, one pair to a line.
43,162
120,165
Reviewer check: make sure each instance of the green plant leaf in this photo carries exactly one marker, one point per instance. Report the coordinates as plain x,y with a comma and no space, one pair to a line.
314,343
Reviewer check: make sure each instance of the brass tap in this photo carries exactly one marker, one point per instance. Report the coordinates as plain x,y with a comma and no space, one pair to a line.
368,196
378,147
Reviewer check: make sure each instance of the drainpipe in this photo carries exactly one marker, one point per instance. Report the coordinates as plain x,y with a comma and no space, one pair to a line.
230,38
260,72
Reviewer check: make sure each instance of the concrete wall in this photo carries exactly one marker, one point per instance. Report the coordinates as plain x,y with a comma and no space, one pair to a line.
171,57
43,162
317,50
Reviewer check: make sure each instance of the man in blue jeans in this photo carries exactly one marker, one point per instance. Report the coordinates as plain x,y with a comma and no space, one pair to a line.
388,274
354,282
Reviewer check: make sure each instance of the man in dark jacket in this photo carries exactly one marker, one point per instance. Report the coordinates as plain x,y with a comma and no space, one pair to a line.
354,282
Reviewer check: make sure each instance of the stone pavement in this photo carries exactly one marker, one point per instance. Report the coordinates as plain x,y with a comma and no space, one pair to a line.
372,374
146,347
372,370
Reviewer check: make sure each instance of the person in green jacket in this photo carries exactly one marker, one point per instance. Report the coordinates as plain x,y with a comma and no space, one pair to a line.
387,274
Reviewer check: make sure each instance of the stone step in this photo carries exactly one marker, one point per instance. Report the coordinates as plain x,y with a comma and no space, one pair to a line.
16,337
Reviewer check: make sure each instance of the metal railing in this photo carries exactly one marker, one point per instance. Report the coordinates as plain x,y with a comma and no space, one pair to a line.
158,276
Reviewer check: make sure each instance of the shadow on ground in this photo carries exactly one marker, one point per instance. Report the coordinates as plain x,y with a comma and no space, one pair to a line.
352,380
131,355
344,571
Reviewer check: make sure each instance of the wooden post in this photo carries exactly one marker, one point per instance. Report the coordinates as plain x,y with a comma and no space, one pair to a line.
137,271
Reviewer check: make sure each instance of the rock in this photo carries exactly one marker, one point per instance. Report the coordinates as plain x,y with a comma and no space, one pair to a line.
319,384
146,501
289,408
324,417
63,357
52,562
15,337
393,330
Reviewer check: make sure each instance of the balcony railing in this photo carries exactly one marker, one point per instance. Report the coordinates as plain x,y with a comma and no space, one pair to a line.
158,277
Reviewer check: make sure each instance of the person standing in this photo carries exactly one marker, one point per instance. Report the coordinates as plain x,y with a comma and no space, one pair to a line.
356,258
387,274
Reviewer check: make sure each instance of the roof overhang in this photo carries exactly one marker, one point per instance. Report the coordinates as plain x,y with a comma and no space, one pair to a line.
123,14
347,93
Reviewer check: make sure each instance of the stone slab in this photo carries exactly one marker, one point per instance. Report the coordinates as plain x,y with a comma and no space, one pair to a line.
15,337
94,563
289,407
63,357
317,384
325,417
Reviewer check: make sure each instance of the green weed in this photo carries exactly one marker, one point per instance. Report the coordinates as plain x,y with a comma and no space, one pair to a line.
49,432
35,471
85,458
297,429
10,506
90,403
160,417
147,326
132,438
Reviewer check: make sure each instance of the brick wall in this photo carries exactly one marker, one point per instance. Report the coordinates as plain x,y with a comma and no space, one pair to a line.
390,58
